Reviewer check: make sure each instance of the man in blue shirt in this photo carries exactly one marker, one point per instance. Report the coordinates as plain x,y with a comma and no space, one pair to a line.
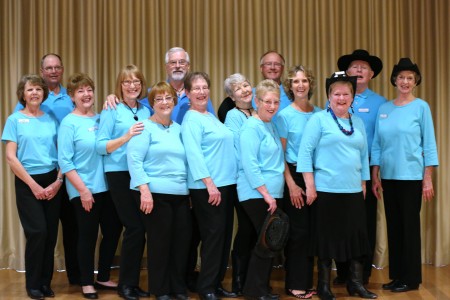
365,105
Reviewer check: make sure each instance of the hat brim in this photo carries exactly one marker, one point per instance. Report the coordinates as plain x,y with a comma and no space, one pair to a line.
397,69
375,63
331,80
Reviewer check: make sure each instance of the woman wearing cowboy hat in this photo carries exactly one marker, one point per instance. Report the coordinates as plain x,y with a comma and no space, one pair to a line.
404,152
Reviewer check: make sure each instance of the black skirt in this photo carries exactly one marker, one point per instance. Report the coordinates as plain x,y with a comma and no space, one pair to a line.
339,227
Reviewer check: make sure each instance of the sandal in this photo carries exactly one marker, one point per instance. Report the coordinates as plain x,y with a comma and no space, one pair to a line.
312,292
305,295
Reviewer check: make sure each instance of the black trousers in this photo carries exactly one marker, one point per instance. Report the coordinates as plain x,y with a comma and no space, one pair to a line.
299,263
103,213
40,220
168,229
402,203
259,268
216,229
133,240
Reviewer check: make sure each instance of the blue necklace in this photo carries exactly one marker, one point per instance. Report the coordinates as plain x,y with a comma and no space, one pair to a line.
344,131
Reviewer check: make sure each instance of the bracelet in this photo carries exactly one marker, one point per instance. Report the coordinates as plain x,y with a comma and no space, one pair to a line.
60,179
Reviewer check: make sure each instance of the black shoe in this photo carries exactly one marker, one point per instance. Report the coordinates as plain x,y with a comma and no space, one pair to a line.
220,291
180,296
163,297
99,286
391,285
90,295
339,281
210,296
47,291
127,292
141,293
35,294
401,287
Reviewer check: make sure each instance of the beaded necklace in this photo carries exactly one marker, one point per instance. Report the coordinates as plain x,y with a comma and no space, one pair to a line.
344,131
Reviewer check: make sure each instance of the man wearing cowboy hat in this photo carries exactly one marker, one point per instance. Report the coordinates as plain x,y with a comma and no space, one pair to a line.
366,67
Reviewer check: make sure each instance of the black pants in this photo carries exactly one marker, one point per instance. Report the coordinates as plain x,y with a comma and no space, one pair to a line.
216,229
259,268
103,213
40,220
168,229
402,203
133,240
299,263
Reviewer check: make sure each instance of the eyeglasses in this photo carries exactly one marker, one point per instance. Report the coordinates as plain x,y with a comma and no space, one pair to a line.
270,103
129,82
197,90
180,62
51,69
408,78
272,64
166,99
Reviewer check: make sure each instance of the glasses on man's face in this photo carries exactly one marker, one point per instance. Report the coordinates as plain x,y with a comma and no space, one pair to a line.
168,99
198,90
272,65
270,103
129,82
51,69
180,62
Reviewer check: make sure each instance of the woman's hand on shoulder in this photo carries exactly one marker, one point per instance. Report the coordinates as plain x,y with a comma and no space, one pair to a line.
136,129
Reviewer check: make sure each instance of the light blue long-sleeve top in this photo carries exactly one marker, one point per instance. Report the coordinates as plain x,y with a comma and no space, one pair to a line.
234,121
262,160
404,141
339,162
36,141
290,124
76,151
284,101
156,157
181,108
209,149
57,106
114,123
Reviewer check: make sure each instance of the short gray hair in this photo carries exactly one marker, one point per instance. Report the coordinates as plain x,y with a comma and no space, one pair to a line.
231,81
174,50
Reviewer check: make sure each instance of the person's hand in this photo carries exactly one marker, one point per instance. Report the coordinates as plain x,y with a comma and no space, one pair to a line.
427,188
111,102
271,202
376,187
296,193
38,191
135,129
52,189
311,195
215,196
146,202
364,189
87,200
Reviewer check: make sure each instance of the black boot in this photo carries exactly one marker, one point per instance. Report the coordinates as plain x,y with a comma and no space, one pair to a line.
240,265
355,283
323,284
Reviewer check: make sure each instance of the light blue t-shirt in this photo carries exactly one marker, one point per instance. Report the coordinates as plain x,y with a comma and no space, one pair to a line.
181,108
36,141
57,106
284,101
234,121
114,123
404,141
290,124
76,151
262,160
156,157
209,149
339,162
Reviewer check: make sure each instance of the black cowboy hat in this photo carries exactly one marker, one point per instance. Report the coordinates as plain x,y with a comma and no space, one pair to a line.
359,54
405,64
274,234
341,76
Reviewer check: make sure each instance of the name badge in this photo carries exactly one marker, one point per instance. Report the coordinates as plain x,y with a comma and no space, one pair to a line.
383,116
23,121
363,110
93,129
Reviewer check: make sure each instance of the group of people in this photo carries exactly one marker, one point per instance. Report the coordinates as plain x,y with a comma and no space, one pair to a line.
159,165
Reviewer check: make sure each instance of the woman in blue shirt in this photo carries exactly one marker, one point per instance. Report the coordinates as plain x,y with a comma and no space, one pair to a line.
333,158
239,89
290,124
260,179
117,127
404,153
30,137
87,186
158,170
211,181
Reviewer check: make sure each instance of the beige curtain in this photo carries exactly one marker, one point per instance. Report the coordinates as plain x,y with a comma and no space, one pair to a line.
223,37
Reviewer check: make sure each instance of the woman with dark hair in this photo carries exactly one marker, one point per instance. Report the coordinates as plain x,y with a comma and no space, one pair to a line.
30,136
87,188
117,127
404,154
290,124
158,170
